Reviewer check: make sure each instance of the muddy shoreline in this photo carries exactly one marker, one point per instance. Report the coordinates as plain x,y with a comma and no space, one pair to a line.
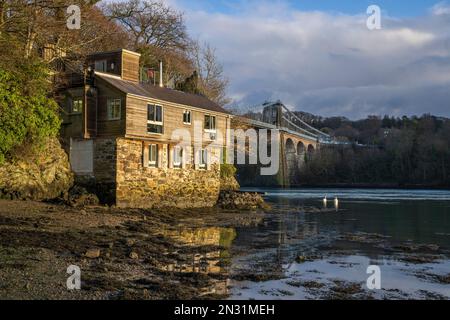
123,254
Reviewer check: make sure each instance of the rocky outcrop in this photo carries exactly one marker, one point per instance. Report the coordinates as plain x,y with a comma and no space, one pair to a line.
235,200
43,176
229,184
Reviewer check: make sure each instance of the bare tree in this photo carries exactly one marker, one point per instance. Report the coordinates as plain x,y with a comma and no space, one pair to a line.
158,32
212,82
150,23
38,24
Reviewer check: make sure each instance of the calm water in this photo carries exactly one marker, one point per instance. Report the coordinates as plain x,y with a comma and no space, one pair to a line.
405,232
420,216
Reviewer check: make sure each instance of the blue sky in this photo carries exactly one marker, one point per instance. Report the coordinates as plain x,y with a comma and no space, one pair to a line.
320,57
396,8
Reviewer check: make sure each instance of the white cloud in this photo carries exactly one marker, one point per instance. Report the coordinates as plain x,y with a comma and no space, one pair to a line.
331,63
441,8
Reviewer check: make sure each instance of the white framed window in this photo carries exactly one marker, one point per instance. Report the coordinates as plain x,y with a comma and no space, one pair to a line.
155,116
187,117
210,123
153,155
202,158
178,157
114,107
77,105
101,65
210,126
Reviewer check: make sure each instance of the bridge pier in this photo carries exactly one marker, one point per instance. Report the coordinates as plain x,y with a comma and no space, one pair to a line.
294,152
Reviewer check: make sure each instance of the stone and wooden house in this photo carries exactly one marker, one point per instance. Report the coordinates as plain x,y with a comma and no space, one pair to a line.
121,136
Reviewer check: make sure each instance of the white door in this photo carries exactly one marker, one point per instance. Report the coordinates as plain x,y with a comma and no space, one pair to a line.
82,156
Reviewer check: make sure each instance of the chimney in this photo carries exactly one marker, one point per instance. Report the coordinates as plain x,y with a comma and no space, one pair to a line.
161,84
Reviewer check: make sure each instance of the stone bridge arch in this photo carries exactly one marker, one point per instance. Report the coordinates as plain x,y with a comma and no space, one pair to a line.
296,150
310,151
290,146
301,149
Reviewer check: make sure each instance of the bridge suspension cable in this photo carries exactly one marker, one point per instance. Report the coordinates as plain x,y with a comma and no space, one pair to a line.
290,122
303,123
297,128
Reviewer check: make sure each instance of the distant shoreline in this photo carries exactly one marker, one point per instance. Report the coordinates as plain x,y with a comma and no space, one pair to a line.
359,186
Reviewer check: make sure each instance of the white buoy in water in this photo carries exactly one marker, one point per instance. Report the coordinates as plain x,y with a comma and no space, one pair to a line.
325,201
336,203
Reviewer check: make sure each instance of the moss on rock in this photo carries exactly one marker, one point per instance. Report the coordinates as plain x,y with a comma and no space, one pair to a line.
43,175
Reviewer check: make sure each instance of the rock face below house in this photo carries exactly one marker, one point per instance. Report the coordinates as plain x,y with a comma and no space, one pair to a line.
229,184
44,176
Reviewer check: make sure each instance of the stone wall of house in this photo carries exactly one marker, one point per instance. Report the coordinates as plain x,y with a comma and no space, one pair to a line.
105,160
141,187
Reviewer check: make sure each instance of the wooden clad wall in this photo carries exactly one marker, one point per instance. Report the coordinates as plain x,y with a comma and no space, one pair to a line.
130,66
72,125
91,112
136,120
105,127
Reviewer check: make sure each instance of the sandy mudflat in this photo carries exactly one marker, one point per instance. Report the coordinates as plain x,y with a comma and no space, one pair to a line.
143,254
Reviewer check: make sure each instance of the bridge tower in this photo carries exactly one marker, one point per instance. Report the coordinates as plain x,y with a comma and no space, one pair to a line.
273,113
296,144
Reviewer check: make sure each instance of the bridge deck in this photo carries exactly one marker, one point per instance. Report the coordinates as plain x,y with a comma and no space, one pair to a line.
264,125
288,122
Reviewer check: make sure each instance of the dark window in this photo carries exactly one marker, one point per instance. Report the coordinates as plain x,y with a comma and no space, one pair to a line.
77,105
202,158
155,119
153,155
114,109
177,157
187,117
210,123
154,128
100,65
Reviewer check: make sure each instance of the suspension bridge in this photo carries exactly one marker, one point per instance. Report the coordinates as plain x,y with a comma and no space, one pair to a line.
298,139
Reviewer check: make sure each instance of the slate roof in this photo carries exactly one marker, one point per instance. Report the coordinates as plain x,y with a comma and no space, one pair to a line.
165,94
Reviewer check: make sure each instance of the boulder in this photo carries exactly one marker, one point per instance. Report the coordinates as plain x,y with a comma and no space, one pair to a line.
133,255
236,200
80,197
92,253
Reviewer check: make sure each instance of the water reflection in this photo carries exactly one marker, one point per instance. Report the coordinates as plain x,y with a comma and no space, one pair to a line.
290,242
209,254
382,229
